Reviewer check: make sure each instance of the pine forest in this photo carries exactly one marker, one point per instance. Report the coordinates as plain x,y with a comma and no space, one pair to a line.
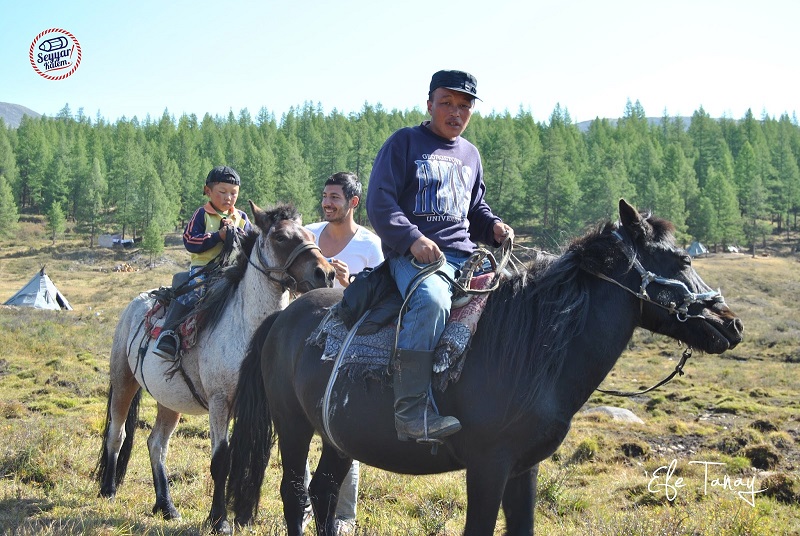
722,181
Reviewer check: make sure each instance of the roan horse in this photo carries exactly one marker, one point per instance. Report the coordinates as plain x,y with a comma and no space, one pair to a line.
548,337
277,259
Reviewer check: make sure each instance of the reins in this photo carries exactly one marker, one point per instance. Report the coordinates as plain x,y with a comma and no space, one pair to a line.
678,371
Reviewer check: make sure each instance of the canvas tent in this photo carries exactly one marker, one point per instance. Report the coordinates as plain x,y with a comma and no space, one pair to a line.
40,293
696,249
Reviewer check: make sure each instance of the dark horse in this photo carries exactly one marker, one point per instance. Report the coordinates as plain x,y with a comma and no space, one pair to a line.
548,337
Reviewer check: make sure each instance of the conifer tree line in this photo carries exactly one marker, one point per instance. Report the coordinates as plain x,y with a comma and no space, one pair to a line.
721,181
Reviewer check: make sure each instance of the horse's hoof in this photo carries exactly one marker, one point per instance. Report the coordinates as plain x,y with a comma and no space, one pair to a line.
168,512
221,527
243,523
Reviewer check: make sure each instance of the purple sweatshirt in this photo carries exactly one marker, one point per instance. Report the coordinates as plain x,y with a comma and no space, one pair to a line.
423,184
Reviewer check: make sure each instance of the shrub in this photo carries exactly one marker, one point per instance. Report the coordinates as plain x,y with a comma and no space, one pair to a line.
762,456
586,451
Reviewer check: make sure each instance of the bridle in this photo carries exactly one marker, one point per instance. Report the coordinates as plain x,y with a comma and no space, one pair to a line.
287,282
680,310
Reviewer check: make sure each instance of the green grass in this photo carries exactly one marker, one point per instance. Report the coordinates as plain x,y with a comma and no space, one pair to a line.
741,410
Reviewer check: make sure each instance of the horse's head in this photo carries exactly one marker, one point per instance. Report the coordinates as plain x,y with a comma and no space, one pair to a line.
286,251
674,300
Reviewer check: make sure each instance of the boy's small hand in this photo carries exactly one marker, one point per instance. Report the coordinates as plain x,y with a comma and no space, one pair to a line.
224,225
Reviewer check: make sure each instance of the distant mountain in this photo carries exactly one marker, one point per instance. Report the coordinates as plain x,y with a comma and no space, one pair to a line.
12,113
583,126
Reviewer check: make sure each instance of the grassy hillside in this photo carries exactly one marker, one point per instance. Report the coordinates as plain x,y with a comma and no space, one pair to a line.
739,410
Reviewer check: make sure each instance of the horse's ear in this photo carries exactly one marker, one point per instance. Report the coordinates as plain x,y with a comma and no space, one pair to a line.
628,216
259,216
636,224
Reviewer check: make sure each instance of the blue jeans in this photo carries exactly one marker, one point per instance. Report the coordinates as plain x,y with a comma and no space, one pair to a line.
429,306
348,493
196,275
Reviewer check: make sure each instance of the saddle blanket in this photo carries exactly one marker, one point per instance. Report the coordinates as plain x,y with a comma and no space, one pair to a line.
187,331
369,355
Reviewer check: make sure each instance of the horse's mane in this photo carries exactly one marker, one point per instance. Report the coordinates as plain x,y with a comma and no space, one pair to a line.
545,305
226,281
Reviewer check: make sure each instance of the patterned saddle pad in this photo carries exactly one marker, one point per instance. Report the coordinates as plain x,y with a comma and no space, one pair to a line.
154,320
369,355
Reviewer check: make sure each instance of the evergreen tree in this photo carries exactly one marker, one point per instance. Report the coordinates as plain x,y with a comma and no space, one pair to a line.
56,221
58,178
706,137
293,182
124,179
726,225
8,164
745,173
502,167
33,158
153,241
192,169
89,213
8,208
258,174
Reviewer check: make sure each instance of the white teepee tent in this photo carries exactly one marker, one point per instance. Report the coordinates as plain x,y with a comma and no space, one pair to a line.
41,293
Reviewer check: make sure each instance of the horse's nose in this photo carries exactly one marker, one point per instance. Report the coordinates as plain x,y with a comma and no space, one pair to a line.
325,276
738,326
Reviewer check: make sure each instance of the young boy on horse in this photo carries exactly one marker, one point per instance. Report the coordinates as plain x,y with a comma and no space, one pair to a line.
205,235
426,203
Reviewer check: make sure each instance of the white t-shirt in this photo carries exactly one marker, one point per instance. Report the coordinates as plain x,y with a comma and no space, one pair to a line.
363,250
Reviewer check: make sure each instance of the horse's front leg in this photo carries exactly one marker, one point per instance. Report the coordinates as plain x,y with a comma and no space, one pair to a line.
294,445
486,483
158,444
324,488
518,502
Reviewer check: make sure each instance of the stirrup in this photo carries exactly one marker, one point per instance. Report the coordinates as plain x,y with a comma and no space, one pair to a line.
163,354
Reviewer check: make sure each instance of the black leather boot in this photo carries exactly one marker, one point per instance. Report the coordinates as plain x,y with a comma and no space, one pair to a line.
414,417
168,341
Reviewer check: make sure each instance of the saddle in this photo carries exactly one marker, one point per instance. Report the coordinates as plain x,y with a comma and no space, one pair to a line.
154,318
368,352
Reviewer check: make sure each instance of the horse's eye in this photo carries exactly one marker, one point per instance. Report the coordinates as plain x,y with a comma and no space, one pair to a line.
686,260
280,238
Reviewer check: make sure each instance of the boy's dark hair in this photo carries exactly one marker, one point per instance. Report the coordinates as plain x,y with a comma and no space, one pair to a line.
348,181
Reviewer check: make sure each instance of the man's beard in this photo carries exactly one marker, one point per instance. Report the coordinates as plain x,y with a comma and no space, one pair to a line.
336,217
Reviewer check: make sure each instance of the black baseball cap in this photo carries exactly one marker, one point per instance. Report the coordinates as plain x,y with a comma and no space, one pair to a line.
455,80
223,174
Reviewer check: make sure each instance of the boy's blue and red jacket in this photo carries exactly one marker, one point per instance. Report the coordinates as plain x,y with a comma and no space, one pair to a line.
201,237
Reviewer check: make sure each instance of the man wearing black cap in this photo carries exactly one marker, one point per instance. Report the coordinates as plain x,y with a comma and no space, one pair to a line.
426,203
204,238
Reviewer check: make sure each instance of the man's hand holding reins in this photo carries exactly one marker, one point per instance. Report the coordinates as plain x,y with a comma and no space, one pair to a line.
425,250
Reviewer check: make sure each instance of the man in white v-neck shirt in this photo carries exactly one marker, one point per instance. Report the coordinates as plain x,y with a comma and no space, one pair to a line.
350,248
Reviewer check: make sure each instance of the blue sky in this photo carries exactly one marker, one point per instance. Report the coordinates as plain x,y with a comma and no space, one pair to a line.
589,56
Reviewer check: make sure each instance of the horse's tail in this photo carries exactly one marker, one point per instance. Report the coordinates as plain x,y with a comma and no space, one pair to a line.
252,437
124,456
